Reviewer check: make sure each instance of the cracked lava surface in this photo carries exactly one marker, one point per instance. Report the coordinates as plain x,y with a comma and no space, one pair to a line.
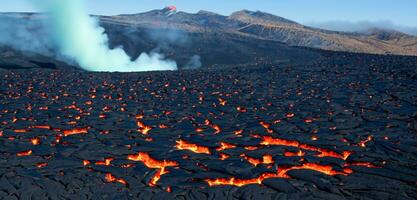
325,131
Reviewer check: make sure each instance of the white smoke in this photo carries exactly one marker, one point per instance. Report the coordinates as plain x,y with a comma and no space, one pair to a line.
79,36
193,63
18,33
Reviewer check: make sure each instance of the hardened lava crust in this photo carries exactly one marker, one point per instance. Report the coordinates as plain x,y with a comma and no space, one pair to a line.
340,128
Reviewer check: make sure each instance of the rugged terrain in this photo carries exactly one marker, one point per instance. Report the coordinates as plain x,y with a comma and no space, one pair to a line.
265,26
343,127
243,38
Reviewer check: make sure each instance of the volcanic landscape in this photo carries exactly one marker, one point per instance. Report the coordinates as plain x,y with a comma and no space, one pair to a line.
343,127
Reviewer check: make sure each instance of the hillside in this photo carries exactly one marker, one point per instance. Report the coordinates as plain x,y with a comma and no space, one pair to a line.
243,38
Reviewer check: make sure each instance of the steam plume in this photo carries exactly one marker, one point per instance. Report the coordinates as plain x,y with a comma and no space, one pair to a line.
79,36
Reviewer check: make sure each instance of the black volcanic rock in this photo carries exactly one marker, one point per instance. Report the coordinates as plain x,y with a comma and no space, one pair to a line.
70,134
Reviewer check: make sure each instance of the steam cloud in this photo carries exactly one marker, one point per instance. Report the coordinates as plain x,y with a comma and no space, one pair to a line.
79,36
18,33
193,63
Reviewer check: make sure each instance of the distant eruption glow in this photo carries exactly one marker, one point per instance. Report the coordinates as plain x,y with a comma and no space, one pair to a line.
80,37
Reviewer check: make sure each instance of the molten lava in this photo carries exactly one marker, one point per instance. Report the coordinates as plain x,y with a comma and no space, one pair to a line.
291,154
183,145
363,142
233,181
25,153
111,178
35,141
150,162
362,164
42,127
266,159
75,131
224,146
267,140
144,129
106,162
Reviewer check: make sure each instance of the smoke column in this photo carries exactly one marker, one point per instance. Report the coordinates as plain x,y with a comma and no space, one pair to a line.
80,37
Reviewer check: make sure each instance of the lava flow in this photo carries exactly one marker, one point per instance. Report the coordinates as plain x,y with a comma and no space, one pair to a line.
111,178
267,140
266,159
281,173
25,153
224,146
150,162
183,145
75,131
144,129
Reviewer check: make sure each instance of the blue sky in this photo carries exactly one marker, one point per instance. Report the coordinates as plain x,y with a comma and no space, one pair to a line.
399,12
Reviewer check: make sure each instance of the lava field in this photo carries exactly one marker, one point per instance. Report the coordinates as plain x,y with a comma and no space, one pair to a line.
335,129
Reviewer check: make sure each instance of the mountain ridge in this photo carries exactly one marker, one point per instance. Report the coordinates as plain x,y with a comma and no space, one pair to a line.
271,27
242,38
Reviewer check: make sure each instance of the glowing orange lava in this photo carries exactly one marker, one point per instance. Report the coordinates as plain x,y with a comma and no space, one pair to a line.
42,127
224,156
41,165
282,173
291,154
149,162
154,180
183,145
144,129
86,162
266,159
266,126
111,178
25,153
106,162
75,131
21,131
363,142
362,164
267,140
238,132
225,145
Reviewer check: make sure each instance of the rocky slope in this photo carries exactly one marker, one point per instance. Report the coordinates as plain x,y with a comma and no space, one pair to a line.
273,28
243,38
